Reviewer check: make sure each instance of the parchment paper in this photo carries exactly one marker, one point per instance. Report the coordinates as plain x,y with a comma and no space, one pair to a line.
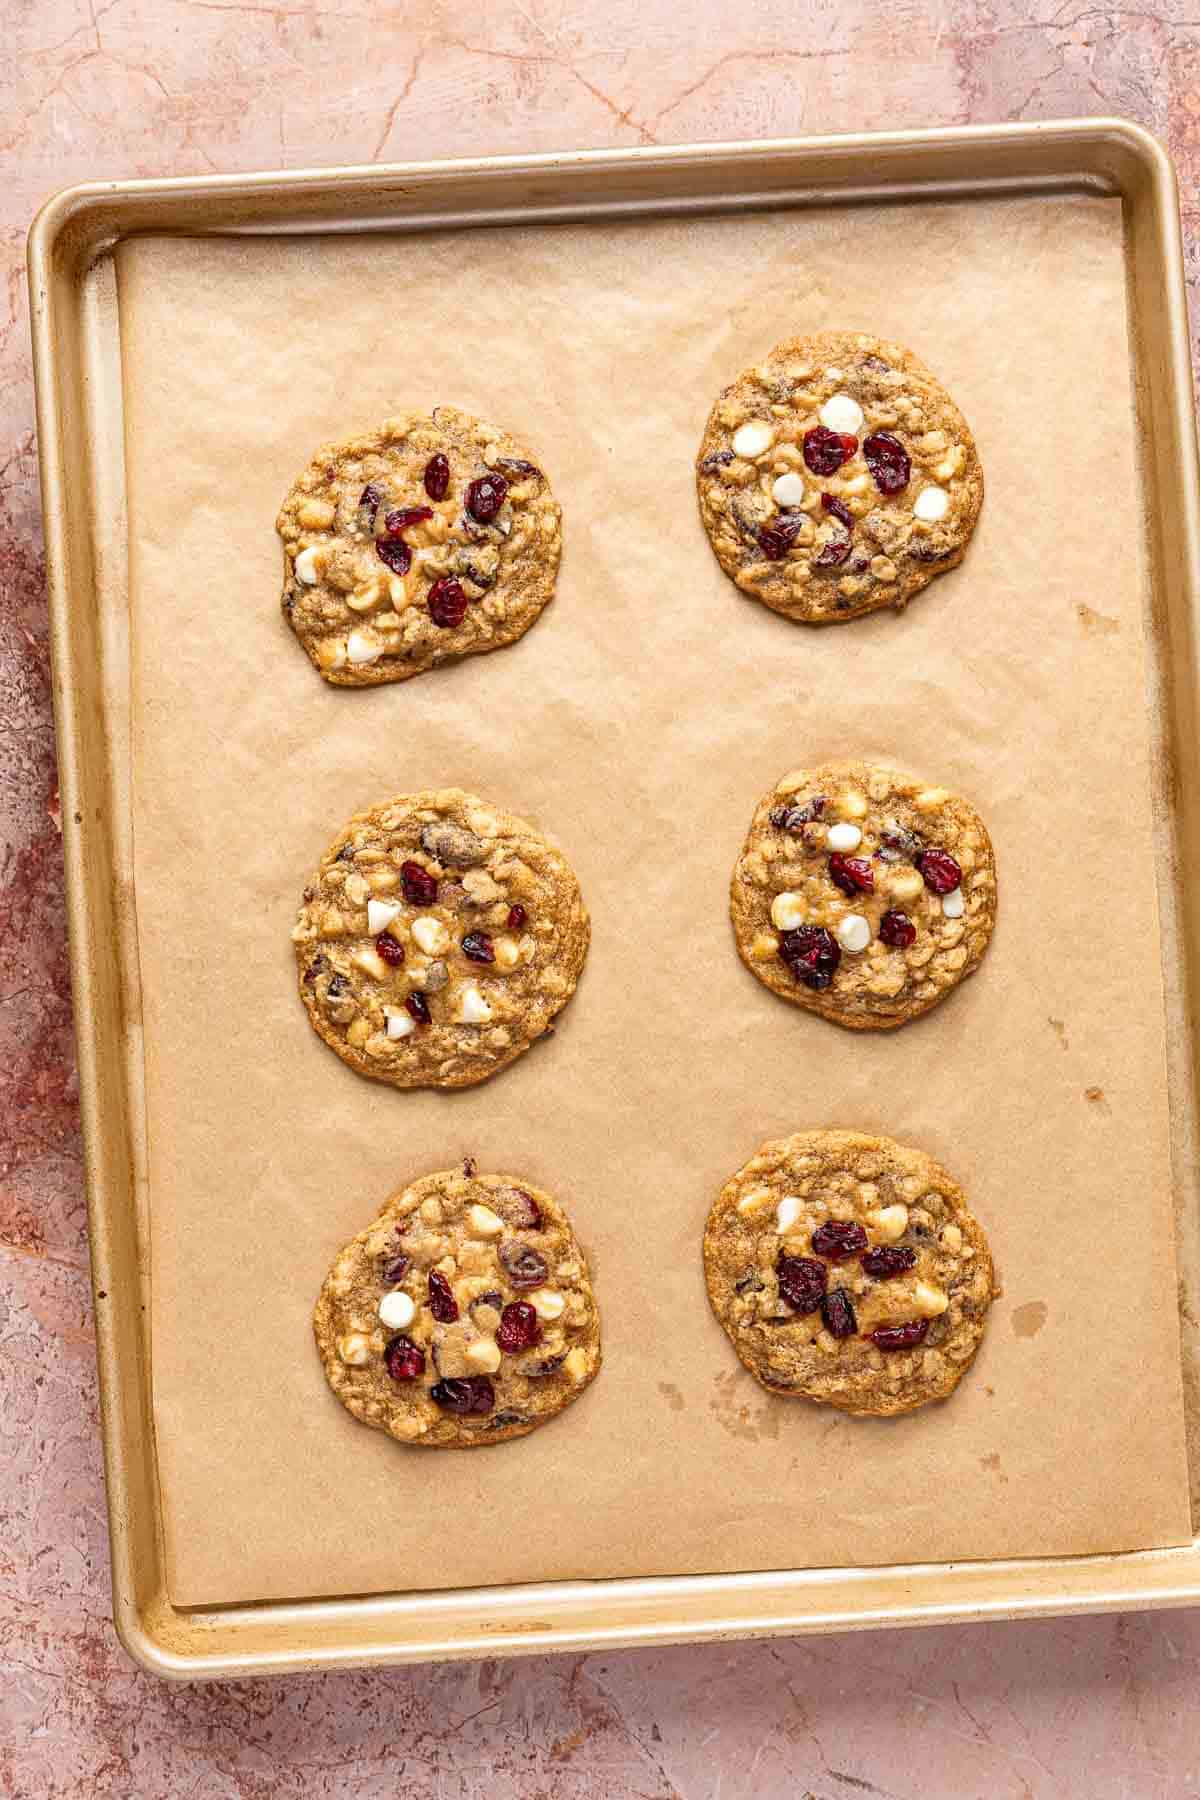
639,721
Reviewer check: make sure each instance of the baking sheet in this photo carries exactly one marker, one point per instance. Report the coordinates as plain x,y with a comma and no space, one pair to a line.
638,722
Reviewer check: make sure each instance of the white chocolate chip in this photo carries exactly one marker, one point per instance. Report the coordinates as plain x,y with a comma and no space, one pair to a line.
354,1349
380,914
854,933
842,413
507,952
397,1310
931,504
929,1302
430,934
399,1024
930,799
331,653
473,1009
753,438
484,1222
951,1237
371,963
483,1355
754,1201
953,904
904,884
787,1212
316,515
575,1367
889,1222
788,490
851,804
843,837
787,911
362,649
308,565
547,1303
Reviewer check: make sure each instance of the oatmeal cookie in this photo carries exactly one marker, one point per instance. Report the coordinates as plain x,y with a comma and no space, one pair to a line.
849,1270
462,1315
863,894
837,477
432,537
438,939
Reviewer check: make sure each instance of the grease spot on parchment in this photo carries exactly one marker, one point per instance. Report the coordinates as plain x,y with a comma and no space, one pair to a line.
742,1416
1097,624
992,1462
671,1395
1028,1320
1058,1027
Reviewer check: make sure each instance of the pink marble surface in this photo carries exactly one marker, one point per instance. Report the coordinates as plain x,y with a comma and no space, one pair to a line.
1095,1708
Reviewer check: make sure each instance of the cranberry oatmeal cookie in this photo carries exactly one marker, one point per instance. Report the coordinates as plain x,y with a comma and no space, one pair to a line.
462,1315
849,1270
837,477
863,894
430,538
438,939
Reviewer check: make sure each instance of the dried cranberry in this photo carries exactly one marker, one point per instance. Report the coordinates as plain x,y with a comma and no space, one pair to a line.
888,1260
485,497
519,1327
442,1303
839,1238
520,1209
417,1007
494,1299
939,871
447,602
888,462
395,1270
839,509
897,929
812,954
479,947
403,1359
516,918
420,887
900,1337
718,459
389,949
437,476
404,516
474,1395
899,842
833,554
776,539
395,553
793,818
314,969
801,1282
369,502
837,1310
853,874
523,1265
517,469
549,1366
825,451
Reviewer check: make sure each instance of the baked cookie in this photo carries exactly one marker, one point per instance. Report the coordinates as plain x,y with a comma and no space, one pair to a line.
462,1315
432,537
863,894
837,477
848,1269
438,939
